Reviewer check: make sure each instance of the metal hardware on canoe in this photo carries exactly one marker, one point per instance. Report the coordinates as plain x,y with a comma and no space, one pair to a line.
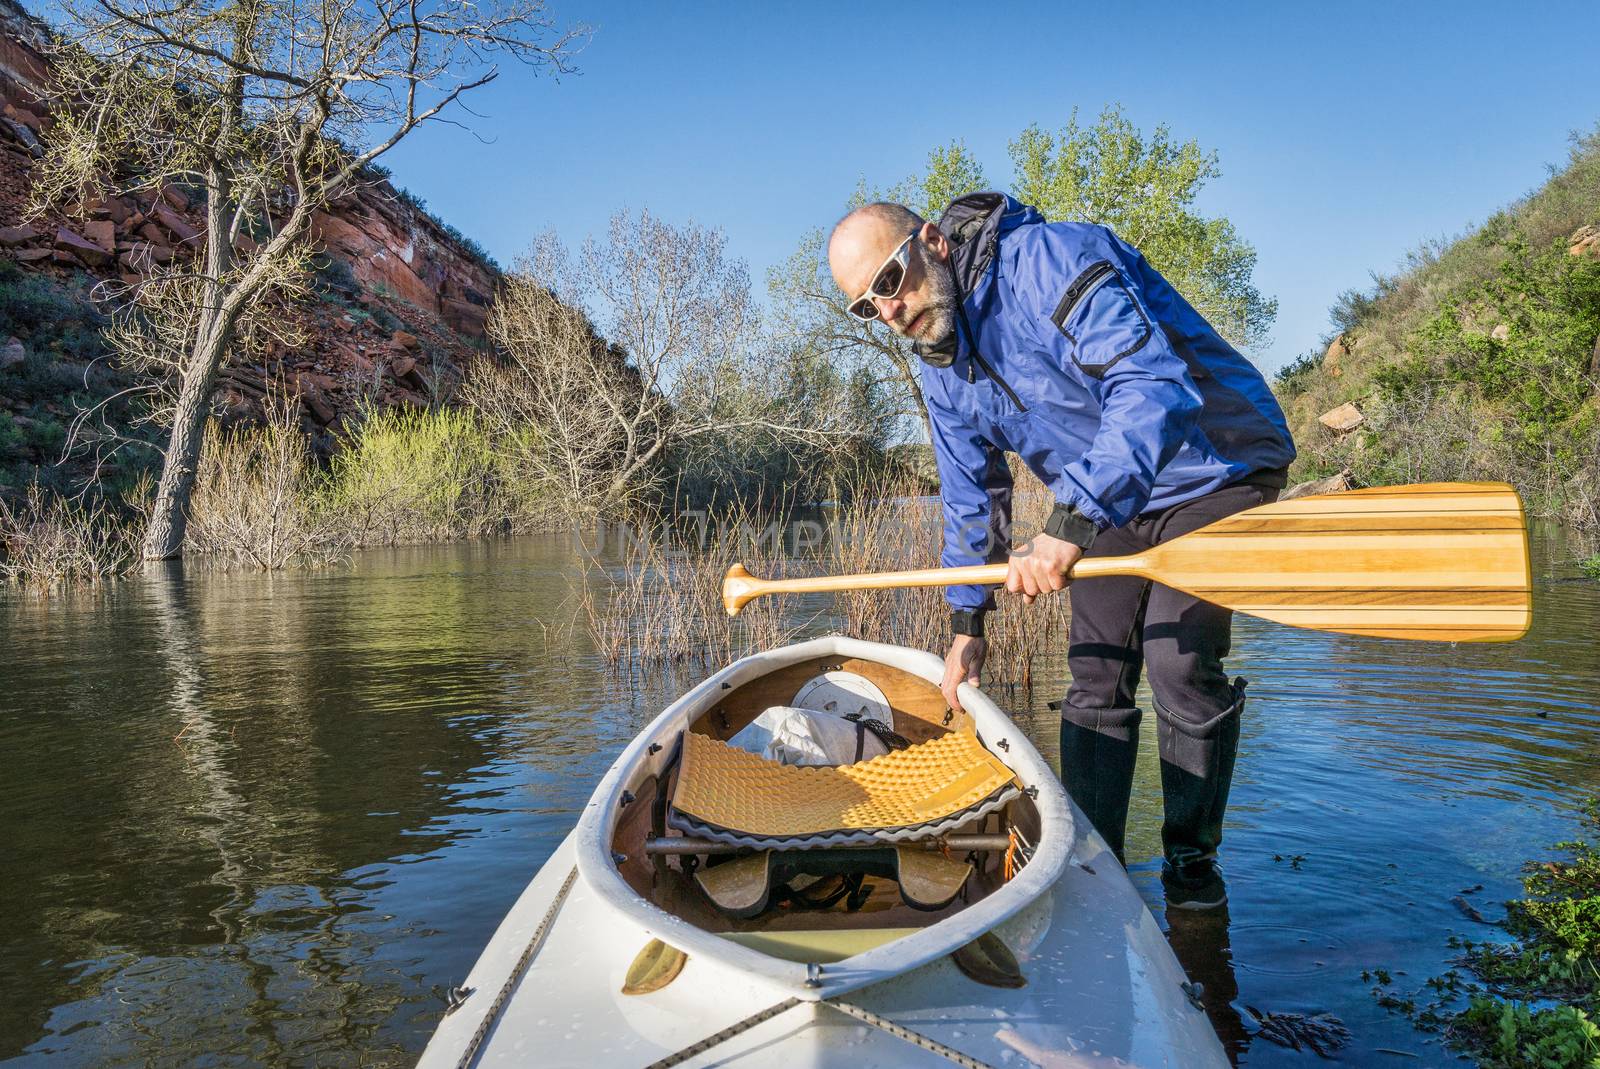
682,845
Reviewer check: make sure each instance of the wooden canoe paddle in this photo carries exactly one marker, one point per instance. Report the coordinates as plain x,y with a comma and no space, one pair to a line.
1440,561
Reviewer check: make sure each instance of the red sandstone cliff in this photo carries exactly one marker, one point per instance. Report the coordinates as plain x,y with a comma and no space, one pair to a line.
399,334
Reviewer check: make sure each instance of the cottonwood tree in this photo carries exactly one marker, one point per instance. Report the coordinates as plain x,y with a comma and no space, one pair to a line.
1144,188
639,343
252,104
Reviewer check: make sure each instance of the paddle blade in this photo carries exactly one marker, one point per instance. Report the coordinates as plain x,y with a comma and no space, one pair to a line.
1440,561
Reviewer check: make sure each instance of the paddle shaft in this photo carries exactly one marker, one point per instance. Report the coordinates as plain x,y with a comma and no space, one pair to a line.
976,574
1437,561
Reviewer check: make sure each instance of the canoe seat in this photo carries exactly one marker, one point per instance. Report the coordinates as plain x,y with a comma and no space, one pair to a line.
745,886
727,795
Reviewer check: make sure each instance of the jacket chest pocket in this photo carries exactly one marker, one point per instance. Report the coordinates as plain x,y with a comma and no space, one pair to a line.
1101,319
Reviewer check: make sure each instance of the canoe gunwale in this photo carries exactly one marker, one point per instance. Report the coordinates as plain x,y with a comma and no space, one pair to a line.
596,826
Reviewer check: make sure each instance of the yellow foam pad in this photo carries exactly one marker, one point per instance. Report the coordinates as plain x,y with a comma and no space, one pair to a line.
725,786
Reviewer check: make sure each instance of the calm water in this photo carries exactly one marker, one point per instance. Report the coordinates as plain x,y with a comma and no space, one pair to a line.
254,820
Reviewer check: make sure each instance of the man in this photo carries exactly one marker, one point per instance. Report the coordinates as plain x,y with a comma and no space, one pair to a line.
1058,342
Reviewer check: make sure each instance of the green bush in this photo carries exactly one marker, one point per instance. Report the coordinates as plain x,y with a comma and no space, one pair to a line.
409,475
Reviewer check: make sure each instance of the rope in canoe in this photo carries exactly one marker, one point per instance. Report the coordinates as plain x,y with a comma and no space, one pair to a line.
471,1053
693,1049
899,1031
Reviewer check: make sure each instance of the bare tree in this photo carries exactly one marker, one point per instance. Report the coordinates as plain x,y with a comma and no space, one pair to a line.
640,343
811,313
252,103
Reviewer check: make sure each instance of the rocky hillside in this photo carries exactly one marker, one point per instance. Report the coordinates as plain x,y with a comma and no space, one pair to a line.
402,298
1479,360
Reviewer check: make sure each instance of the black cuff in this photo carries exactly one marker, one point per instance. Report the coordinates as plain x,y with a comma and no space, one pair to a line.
1070,525
967,622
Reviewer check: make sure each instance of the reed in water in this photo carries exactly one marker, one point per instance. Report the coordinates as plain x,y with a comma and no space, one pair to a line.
652,595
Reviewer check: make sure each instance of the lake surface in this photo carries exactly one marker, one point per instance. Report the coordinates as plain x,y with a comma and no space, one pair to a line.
269,820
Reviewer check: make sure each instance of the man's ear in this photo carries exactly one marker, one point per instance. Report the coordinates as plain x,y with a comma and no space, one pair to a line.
934,240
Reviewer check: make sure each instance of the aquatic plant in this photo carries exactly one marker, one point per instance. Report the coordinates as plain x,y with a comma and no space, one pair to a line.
1535,1001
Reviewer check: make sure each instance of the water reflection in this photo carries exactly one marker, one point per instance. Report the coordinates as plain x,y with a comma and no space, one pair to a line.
268,820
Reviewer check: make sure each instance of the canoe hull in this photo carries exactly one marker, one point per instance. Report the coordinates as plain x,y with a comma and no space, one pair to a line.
1103,988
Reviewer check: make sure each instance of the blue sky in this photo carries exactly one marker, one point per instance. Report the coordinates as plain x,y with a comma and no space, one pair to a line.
1348,133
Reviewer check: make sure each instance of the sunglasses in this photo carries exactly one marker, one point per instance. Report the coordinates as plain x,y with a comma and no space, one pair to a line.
885,284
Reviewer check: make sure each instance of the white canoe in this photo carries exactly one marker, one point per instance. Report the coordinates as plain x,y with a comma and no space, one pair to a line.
1102,987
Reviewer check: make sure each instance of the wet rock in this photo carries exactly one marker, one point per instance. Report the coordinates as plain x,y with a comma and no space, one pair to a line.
1347,417
13,352
80,247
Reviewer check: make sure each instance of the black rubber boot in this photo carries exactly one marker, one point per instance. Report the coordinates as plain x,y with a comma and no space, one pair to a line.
1196,771
1098,749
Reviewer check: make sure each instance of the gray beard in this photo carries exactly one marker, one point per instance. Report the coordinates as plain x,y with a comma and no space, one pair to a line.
941,313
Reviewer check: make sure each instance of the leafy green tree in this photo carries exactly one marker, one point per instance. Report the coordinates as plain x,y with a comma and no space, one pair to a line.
1144,188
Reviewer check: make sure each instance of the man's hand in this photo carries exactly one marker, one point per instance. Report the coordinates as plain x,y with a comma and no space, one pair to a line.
1041,568
962,665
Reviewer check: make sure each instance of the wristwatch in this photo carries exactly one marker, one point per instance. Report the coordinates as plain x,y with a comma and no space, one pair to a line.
1070,525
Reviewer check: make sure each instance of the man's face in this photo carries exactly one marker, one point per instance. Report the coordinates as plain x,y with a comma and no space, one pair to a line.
925,308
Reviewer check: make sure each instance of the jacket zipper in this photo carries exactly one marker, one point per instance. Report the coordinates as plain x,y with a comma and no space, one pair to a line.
1096,276
1002,383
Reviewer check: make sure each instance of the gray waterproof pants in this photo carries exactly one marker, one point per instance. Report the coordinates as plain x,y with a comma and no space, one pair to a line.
1123,626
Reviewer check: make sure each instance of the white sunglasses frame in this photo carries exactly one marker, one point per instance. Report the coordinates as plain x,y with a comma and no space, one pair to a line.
902,253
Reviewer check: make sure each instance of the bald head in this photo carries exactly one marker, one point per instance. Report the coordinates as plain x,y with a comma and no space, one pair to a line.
861,243
865,237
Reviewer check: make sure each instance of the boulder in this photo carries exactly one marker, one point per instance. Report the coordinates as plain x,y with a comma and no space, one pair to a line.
402,366
17,235
1338,349
103,232
402,339
1347,417
82,248
1501,332
176,224
1585,241
315,401
12,352
31,256
1333,484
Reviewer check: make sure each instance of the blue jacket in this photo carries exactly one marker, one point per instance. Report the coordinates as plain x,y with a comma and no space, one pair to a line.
1090,367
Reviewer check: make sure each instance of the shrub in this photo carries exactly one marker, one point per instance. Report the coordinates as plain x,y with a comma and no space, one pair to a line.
254,500
49,542
407,475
